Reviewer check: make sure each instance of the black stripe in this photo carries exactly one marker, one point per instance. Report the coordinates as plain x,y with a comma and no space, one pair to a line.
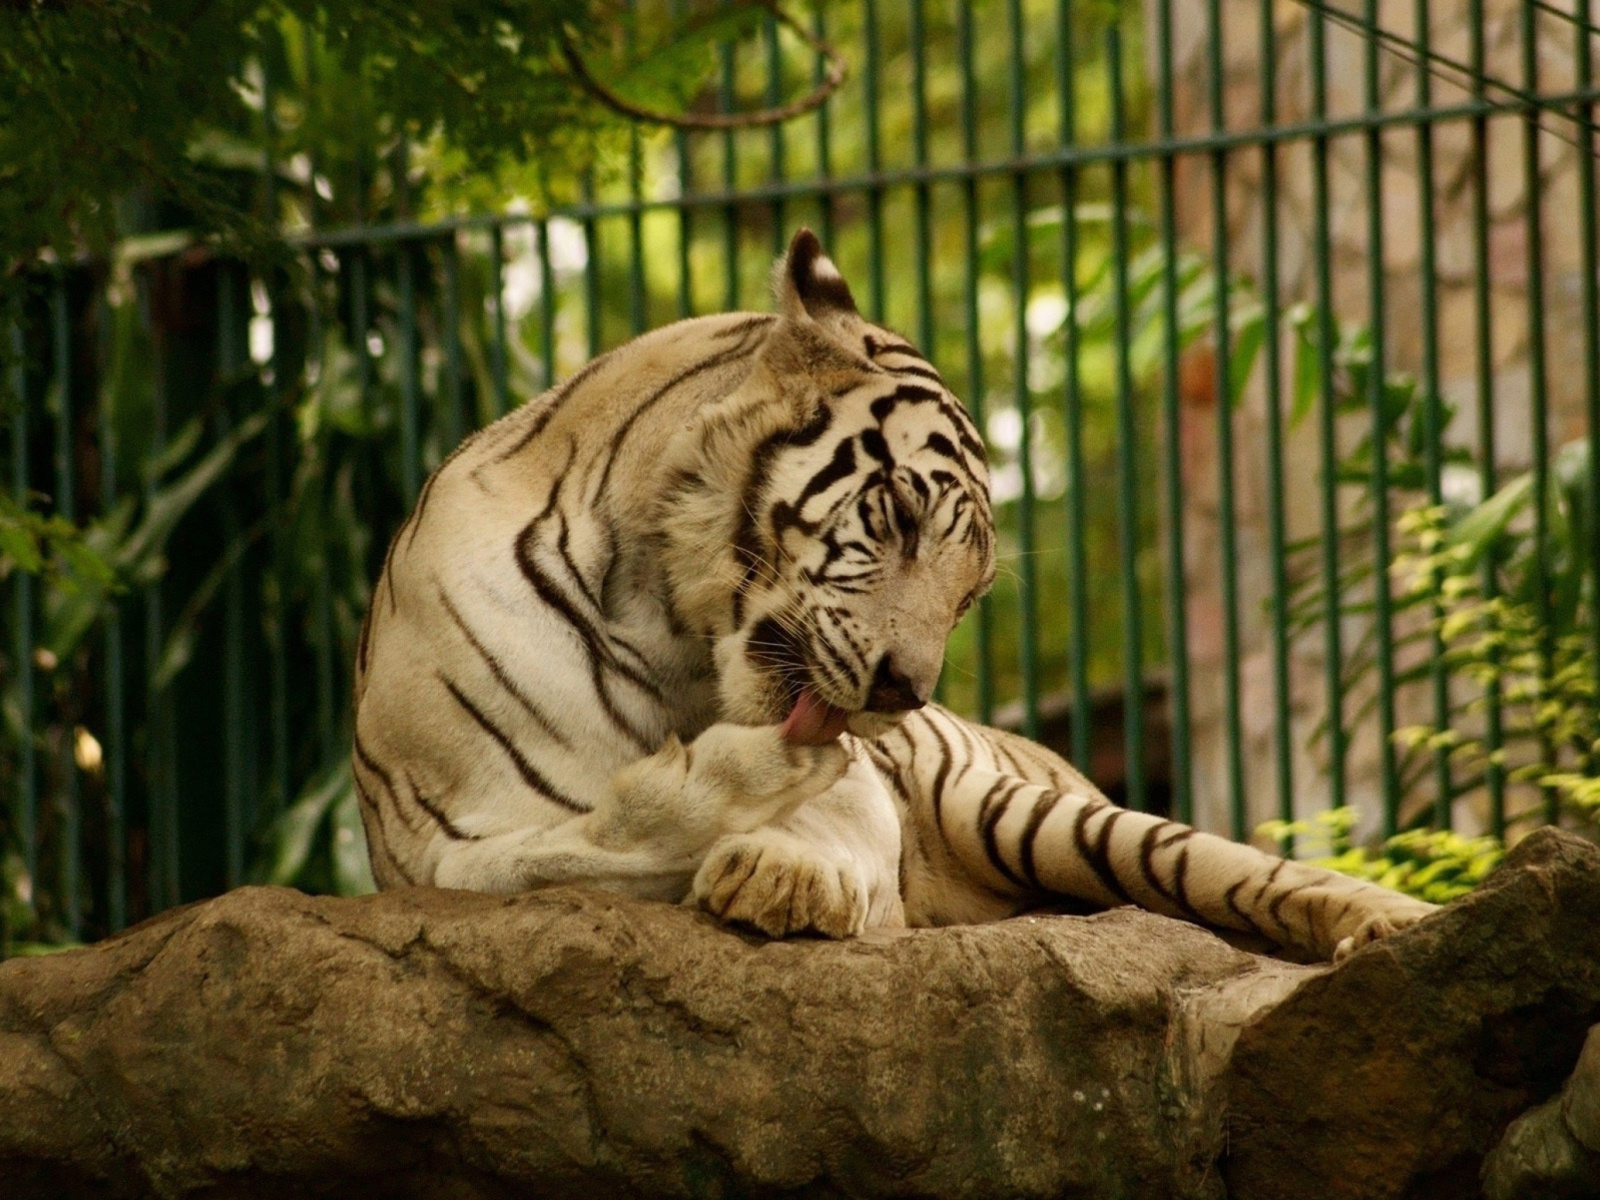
1180,882
938,779
451,829
1231,896
563,537
500,676
744,349
991,810
1148,845
366,760
1277,903
1030,835
559,397
841,466
422,504
1095,855
746,538
596,642
971,746
919,371
530,775
817,639
382,839
364,639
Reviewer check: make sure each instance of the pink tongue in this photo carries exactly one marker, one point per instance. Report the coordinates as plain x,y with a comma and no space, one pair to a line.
813,722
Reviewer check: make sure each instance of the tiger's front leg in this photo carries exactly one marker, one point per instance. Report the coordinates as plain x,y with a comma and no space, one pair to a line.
657,818
829,867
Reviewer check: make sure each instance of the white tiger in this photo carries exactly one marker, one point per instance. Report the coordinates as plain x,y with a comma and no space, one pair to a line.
672,629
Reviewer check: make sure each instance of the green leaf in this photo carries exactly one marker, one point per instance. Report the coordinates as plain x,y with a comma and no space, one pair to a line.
296,829
1483,525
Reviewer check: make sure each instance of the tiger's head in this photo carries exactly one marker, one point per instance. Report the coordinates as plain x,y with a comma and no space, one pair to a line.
832,520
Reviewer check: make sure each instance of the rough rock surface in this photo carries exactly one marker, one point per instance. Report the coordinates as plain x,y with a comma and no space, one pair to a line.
1392,1076
570,1043
1553,1151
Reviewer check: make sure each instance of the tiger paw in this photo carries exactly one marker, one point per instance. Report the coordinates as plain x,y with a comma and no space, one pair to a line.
1371,925
758,775
777,883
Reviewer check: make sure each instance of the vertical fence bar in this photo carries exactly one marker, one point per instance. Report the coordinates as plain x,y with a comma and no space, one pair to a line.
1282,730
869,85
637,295
730,183
405,253
593,314
1172,432
70,833
160,767
921,232
1226,508
1027,631
1494,773
547,307
819,27
1538,398
278,458
922,229
1127,445
1326,416
775,146
975,373
115,755
685,170
1382,616
497,284
410,459
685,226
1591,323
229,358
455,427
1438,674
1072,397
27,768
324,649
276,602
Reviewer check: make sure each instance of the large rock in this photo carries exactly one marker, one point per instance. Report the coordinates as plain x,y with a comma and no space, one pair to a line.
1392,1076
570,1043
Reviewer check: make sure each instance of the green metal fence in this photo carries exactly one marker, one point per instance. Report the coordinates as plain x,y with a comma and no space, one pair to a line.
1185,263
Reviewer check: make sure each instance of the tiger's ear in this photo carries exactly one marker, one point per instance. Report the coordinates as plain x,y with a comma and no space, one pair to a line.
807,282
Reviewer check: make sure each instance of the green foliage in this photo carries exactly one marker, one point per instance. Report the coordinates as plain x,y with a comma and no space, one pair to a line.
1466,578
53,547
1433,865
120,116
318,844
1539,668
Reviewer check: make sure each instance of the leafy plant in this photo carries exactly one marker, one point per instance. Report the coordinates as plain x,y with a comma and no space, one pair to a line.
1537,671
1433,865
1539,668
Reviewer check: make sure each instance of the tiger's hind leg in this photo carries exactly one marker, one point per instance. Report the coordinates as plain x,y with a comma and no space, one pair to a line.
997,824
1024,839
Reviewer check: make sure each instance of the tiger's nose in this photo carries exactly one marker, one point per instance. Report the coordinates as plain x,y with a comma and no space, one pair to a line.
891,691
